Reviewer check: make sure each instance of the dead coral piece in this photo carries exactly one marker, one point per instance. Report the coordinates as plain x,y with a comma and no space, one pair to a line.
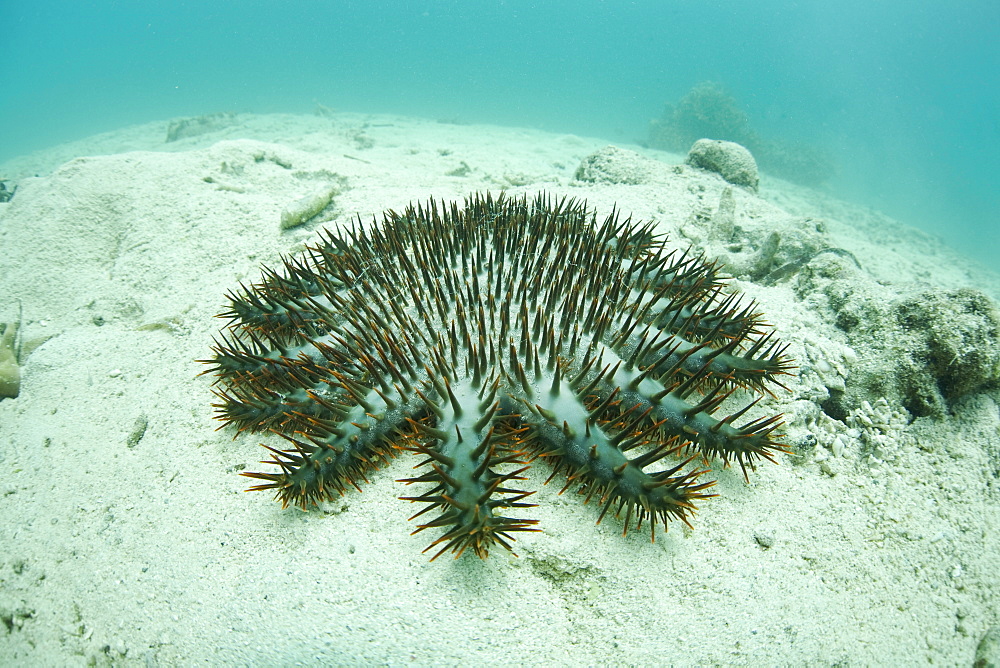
614,165
305,209
199,125
731,161
723,221
956,335
925,350
6,195
10,372
324,111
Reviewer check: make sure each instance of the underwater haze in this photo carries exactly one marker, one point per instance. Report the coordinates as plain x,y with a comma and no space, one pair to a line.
900,95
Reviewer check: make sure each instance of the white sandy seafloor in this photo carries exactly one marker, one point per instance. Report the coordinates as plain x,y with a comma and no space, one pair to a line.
875,541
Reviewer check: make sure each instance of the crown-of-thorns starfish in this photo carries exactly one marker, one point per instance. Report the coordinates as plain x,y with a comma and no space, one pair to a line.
483,336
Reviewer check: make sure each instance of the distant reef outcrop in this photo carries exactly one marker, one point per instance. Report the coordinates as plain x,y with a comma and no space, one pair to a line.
708,111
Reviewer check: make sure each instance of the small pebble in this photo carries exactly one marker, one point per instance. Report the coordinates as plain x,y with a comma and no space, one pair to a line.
764,539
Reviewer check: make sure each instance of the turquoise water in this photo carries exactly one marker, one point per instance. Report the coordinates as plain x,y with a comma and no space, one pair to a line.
901,94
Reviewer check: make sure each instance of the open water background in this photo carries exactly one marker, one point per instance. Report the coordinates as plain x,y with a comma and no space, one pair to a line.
903,95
